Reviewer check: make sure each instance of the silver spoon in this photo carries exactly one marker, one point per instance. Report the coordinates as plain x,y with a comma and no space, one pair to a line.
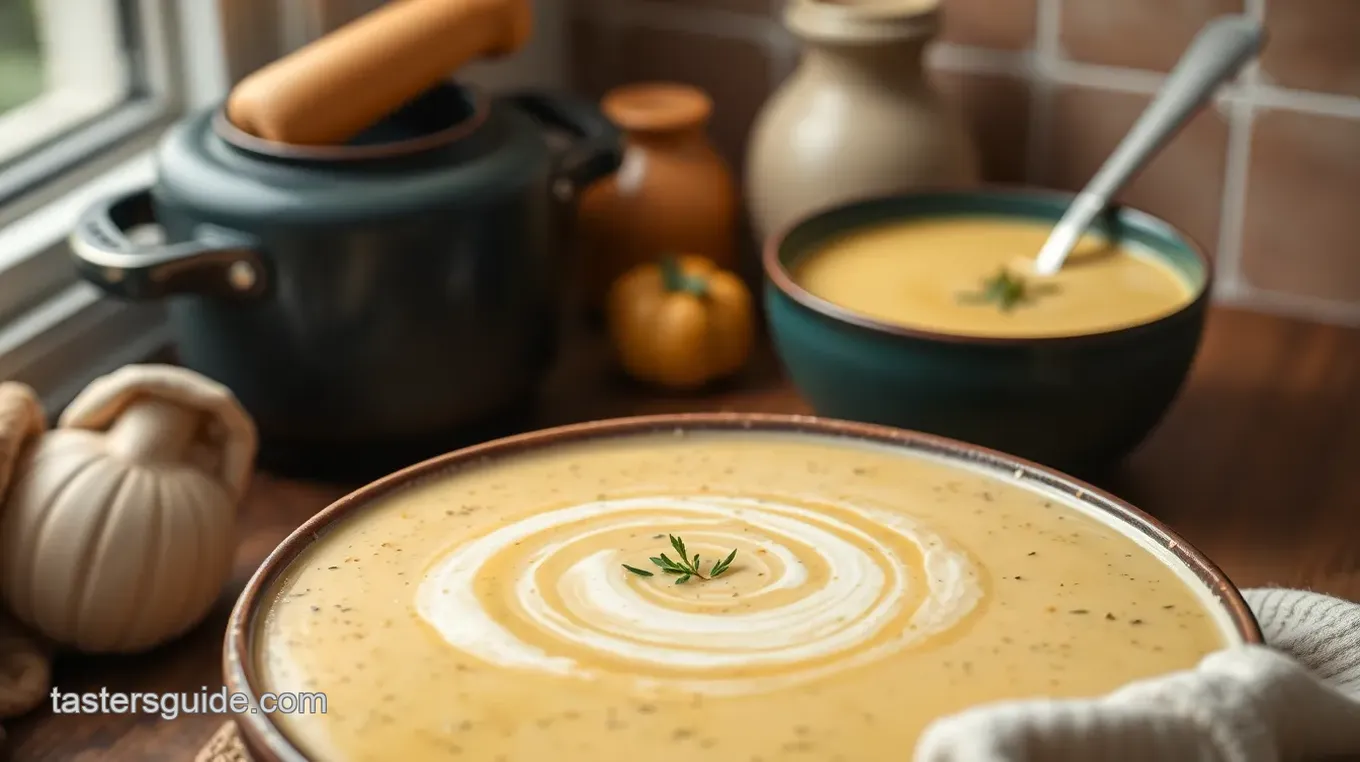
1218,52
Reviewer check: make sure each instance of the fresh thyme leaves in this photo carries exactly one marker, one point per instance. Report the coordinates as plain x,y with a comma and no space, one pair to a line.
722,565
686,567
1007,291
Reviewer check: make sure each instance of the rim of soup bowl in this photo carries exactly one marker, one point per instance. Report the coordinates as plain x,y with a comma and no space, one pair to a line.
779,275
265,739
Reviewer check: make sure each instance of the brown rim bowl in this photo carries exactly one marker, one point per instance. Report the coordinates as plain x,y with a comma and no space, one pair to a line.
267,743
1078,403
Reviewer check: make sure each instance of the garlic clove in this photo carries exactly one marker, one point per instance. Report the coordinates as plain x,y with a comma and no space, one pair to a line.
21,419
25,669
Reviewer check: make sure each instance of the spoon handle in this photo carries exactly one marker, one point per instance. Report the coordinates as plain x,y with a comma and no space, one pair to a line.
1217,53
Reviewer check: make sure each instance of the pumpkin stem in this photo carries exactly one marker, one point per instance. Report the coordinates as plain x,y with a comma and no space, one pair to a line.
676,279
153,431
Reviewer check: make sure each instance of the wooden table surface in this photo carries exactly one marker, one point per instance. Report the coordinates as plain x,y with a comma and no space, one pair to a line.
1255,466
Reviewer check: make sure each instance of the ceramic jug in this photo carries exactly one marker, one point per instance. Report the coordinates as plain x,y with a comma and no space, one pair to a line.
673,193
857,118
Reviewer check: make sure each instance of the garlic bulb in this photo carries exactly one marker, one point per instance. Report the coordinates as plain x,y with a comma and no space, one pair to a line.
119,529
25,661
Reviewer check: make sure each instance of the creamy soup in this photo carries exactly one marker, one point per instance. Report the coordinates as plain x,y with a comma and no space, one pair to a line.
488,613
935,275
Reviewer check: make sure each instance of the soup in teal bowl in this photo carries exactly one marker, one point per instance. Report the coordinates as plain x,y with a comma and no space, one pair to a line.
922,311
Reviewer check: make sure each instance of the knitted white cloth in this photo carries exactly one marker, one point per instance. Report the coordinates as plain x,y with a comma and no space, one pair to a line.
1297,700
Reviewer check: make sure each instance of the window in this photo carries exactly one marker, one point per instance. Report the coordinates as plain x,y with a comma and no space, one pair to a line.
53,76
21,69
64,64
75,81
85,88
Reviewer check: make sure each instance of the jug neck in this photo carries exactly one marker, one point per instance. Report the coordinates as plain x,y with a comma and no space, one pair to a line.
881,41
863,21
900,64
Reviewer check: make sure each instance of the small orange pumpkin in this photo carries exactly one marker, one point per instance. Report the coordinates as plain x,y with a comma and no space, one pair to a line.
681,322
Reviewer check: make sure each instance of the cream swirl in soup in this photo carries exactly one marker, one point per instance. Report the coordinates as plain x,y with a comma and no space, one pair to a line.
819,586
485,613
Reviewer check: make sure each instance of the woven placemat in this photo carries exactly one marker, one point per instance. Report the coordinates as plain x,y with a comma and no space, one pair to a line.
224,746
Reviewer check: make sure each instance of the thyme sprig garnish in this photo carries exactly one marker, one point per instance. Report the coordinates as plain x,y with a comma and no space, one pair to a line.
686,567
1007,290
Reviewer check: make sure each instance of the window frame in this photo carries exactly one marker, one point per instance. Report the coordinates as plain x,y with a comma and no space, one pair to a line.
109,75
56,331
86,69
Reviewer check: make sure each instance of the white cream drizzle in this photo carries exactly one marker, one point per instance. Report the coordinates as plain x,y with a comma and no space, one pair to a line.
866,593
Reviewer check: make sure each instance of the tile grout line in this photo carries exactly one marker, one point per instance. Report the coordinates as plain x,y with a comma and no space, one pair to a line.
1047,51
1096,76
1321,309
1237,166
970,60
1268,96
1232,210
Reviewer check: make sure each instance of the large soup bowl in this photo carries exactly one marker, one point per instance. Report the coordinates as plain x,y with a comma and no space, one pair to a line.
1079,403
268,743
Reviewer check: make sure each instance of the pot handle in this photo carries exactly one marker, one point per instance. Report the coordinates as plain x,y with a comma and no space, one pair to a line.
217,262
598,150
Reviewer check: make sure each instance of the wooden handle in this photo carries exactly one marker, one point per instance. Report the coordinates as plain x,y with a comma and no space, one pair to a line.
338,86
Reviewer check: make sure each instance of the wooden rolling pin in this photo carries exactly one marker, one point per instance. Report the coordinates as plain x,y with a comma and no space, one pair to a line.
336,87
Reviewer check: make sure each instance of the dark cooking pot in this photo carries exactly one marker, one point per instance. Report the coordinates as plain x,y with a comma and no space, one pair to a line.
387,290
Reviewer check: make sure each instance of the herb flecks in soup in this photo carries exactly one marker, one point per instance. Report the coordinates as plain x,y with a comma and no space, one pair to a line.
941,275
488,612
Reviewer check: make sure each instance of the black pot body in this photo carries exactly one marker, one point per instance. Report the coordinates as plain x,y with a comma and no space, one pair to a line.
370,300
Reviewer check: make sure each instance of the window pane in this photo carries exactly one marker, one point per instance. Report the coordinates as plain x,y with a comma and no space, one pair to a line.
21,74
63,65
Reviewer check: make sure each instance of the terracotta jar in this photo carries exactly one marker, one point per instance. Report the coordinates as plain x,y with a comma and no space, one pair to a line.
857,118
673,194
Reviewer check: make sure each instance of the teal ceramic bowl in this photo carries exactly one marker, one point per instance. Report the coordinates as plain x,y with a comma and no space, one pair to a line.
1076,403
